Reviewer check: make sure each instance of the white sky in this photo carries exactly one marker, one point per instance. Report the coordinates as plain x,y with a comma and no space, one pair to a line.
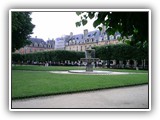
56,24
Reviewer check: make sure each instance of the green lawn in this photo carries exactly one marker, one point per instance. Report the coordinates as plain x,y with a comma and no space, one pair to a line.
66,68
43,68
39,83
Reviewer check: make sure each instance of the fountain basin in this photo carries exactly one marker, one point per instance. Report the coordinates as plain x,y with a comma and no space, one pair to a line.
94,72
91,72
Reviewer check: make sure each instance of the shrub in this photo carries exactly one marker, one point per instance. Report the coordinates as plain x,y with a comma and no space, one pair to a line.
56,56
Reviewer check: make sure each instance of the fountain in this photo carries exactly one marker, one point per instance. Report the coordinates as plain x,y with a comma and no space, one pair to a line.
89,59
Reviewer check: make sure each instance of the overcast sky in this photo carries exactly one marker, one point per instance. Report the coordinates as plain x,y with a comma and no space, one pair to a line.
56,24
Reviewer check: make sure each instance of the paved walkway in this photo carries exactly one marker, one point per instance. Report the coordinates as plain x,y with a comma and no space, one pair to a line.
127,97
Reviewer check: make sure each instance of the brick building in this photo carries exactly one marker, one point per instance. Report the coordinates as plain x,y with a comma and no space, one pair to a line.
37,45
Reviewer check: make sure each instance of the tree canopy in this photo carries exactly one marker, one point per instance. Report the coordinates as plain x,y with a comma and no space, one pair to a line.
131,25
21,29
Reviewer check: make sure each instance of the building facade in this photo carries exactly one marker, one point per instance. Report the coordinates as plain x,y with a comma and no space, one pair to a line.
78,42
60,43
81,42
37,45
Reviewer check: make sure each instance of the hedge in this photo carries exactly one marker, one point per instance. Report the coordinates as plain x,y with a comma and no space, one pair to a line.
121,52
56,56
107,52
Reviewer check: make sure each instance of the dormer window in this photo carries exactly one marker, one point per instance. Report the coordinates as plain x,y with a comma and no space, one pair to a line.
32,45
111,37
35,44
118,36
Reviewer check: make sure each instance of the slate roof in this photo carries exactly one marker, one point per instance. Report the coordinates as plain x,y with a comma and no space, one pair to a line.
94,34
78,38
50,42
37,40
58,38
67,38
117,33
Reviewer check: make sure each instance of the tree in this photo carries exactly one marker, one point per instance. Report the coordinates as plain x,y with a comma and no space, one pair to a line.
21,29
132,25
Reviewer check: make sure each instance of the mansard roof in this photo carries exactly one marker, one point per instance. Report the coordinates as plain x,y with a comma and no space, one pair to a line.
94,34
59,38
78,37
50,42
117,33
37,40
67,38
41,41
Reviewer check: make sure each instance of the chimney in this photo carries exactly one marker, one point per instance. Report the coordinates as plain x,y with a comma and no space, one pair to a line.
71,33
85,32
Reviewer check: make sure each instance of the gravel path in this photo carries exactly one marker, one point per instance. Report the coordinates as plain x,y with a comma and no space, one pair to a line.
127,97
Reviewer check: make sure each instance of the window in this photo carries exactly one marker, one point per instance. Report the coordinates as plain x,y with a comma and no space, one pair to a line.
118,36
35,44
105,37
111,37
32,45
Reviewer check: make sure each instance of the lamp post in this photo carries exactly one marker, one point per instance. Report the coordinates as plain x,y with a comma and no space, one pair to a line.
108,56
25,50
